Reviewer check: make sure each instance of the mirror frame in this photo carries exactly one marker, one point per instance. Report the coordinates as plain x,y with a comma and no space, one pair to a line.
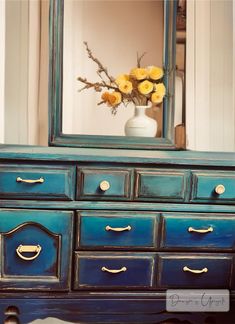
58,138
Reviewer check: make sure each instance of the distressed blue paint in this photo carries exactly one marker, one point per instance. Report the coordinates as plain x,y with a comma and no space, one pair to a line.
52,230
109,309
204,184
92,232
161,185
175,234
62,176
172,274
140,270
46,264
89,184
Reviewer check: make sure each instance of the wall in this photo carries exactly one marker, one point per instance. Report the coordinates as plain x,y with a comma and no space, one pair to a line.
210,106
115,31
2,68
26,72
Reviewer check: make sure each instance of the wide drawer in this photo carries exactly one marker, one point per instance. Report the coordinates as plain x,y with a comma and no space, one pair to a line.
198,231
35,249
161,185
103,184
218,187
37,182
195,270
122,270
117,230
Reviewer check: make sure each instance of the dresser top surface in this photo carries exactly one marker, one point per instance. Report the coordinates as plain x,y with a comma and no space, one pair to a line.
19,152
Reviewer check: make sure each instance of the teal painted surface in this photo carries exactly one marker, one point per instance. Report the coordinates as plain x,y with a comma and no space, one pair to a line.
139,273
88,184
124,157
204,184
52,230
161,185
171,274
92,233
175,234
59,182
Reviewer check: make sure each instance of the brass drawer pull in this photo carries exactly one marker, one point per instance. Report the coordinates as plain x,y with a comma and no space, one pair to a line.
104,185
28,249
202,231
220,189
195,271
40,180
118,229
123,269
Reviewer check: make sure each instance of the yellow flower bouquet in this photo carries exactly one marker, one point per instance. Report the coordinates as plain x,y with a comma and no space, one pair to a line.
140,86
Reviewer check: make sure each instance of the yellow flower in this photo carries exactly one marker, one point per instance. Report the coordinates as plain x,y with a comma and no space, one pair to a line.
145,87
139,73
105,96
155,73
125,87
114,98
121,78
156,98
160,89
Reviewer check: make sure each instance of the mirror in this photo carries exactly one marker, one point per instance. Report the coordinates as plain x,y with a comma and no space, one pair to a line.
114,38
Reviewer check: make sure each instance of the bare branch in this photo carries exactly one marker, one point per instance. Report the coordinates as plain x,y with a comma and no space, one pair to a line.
139,58
100,65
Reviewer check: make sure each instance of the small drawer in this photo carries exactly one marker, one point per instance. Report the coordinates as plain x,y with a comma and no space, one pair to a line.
103,184
198,231
116,270
161,185
117,230
218,187
35,249
37,182
195,271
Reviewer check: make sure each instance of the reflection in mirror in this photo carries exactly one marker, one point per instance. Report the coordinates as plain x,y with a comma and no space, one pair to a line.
115,31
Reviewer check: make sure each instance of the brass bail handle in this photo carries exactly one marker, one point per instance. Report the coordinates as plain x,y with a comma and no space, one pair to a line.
202,231
28,249
195,271
40,180
114,271
118,229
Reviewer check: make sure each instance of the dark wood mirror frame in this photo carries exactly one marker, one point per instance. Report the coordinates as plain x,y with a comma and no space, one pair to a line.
58,138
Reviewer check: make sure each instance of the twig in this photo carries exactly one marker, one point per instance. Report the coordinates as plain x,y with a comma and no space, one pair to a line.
139,58
97,85
100,65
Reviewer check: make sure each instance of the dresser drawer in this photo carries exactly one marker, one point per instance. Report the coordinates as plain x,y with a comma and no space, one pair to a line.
116,270
120,230
37,182
200,231
161,185
195,270
107,184
216,187
35,249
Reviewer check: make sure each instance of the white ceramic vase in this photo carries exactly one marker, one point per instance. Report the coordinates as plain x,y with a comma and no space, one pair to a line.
140,124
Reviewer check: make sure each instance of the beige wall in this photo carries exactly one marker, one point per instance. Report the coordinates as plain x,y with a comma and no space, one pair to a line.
2,68
115,31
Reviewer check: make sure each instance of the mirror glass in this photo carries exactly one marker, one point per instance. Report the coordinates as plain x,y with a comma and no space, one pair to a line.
115,32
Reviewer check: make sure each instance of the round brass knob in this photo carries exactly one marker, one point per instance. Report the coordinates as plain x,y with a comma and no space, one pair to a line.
220,189
104,185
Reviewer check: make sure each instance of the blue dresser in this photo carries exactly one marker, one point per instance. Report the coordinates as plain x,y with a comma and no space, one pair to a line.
99,235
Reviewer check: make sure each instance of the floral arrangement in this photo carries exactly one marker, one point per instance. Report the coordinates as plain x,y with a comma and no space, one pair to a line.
140,87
